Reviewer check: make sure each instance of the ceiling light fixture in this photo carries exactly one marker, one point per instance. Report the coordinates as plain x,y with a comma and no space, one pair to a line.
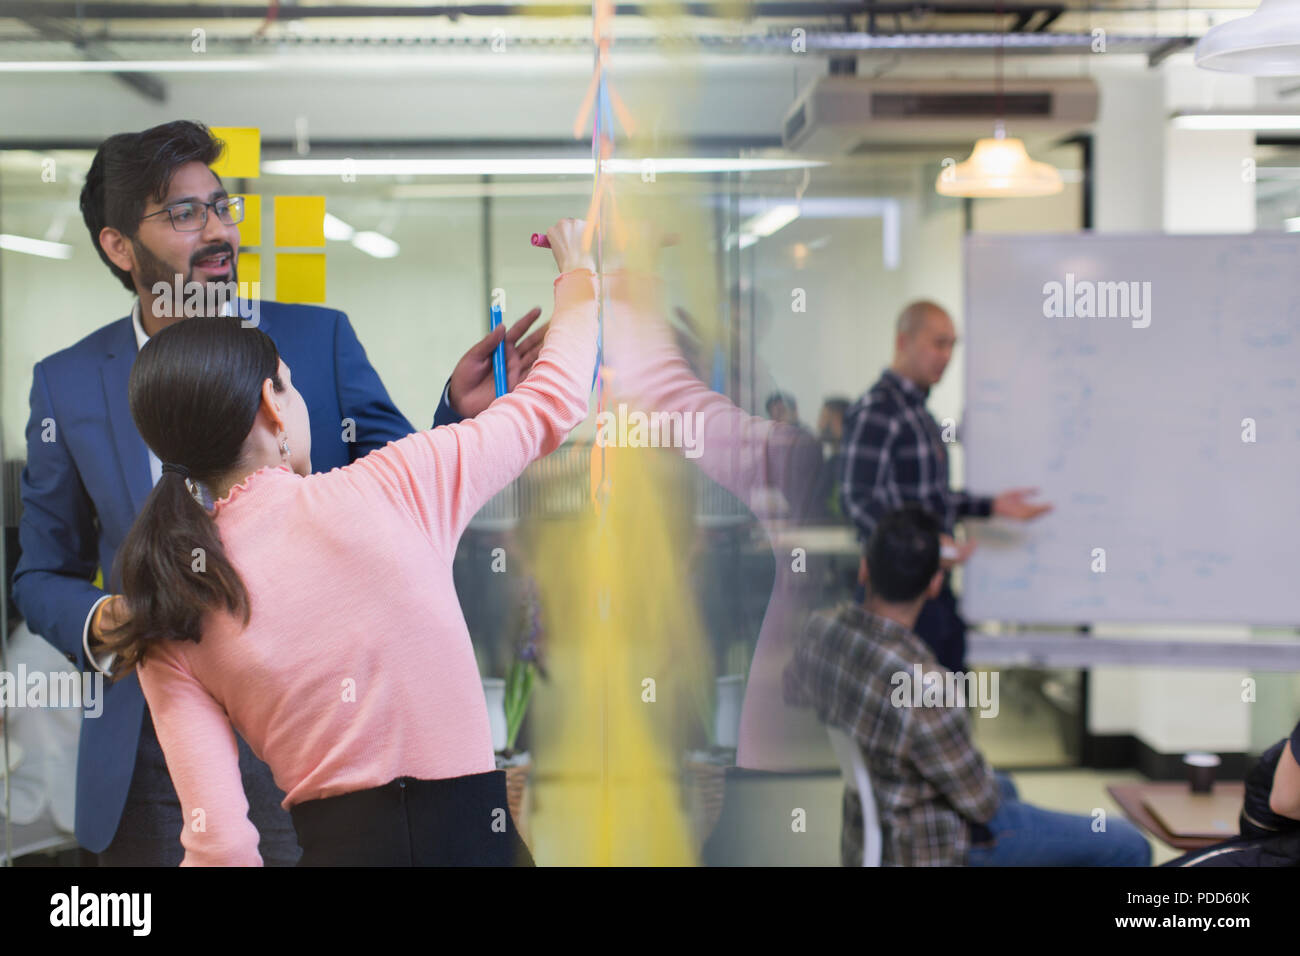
376,244
1236,121
35,247
523,167
999,165
1266,43
337,229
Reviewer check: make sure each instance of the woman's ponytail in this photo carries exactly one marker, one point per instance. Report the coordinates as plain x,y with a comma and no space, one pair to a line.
195,391
172,569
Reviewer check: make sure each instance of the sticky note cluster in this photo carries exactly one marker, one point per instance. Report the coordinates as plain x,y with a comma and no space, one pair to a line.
299,223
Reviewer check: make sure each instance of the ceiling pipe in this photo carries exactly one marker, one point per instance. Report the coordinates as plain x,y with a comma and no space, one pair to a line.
764,9
145,84
830,43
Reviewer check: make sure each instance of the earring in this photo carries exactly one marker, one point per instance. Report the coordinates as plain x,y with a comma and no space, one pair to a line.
284,448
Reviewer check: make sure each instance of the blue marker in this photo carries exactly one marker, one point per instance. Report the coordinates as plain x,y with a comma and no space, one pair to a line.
499,355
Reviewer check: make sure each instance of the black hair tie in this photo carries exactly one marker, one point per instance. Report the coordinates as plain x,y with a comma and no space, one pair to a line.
179,469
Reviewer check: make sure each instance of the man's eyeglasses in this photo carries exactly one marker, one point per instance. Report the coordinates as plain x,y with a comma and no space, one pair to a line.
193,216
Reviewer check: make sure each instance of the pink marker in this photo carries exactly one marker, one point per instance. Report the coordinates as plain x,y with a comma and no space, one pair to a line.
540,240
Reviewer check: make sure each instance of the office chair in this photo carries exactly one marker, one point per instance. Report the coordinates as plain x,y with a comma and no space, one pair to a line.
853,766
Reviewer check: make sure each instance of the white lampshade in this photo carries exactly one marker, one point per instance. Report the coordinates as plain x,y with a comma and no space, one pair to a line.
1266,43
999,166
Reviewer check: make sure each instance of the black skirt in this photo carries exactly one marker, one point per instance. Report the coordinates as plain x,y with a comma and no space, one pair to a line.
463,821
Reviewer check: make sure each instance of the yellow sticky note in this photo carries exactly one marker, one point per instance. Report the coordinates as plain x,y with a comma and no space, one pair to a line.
250,230
300,277
250,267
300,220
242,156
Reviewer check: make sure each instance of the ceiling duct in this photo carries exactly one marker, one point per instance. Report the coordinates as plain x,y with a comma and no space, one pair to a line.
839,115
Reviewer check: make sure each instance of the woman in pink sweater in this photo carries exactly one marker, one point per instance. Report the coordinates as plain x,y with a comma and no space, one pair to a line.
315,613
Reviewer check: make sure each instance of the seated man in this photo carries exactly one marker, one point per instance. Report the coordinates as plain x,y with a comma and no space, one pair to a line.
1270,815
939,802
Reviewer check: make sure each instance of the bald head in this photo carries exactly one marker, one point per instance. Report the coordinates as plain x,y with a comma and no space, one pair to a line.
923,343
914,315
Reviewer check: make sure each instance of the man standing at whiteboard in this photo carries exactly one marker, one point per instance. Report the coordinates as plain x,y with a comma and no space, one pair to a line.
894,454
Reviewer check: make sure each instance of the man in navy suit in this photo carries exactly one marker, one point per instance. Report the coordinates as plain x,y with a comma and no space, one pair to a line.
163,223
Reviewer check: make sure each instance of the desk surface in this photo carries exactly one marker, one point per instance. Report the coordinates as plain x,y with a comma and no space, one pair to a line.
1129,797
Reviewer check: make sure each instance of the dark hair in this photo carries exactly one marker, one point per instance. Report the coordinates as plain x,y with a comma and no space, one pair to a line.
195,391
130,170
784,398
903,554
837,405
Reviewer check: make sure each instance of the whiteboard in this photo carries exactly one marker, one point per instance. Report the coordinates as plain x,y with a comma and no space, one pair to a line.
1135,434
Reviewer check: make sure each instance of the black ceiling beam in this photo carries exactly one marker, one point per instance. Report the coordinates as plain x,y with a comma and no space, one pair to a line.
1052,15
564,144
1166,50
772,9
146,84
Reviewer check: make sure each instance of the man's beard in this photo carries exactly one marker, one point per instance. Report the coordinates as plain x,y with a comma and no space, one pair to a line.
151,271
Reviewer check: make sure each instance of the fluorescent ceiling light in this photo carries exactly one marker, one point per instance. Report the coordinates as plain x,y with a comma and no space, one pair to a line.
763,225
522,167
999,167
889,211
824,207
776,218
1292,224
1236,121
336,228
442,58
1266,43
376,244
35,247
706,165
196,65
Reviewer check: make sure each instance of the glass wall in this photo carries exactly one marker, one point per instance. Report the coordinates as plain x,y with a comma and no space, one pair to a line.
800,271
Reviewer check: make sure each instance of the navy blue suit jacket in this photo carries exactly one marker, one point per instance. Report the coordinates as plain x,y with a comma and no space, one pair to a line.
82,490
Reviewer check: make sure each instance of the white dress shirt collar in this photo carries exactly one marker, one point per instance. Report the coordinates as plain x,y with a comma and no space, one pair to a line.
142,337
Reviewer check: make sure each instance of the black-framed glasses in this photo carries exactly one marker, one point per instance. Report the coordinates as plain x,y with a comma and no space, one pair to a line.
193,216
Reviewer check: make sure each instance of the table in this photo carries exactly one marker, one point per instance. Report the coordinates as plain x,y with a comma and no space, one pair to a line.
1129,796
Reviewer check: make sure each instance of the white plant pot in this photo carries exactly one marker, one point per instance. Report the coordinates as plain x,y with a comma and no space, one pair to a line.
726,719
494,689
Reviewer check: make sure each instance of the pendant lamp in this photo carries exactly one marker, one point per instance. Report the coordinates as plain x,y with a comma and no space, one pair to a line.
999,166
1266,43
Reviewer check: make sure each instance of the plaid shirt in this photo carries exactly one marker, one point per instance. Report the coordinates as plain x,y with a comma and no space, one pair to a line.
929,781
894,454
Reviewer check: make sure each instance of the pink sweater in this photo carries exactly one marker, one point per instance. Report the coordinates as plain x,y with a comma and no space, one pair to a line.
746,455
356,667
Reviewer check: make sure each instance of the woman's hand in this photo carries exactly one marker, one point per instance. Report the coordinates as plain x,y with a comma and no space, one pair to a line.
565,238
